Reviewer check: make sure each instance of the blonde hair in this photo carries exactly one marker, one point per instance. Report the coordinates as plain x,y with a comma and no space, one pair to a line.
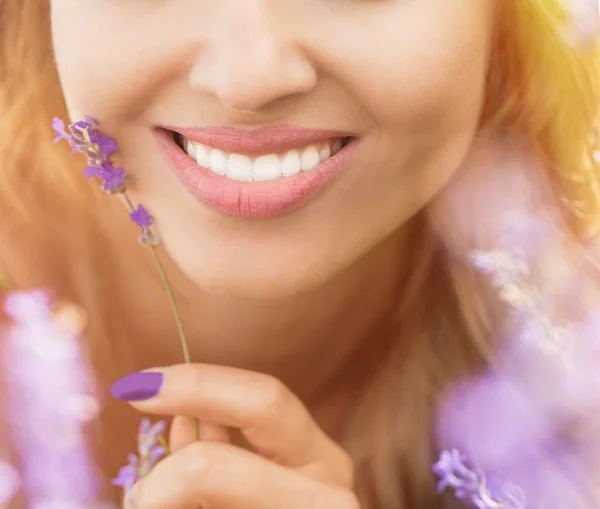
537,84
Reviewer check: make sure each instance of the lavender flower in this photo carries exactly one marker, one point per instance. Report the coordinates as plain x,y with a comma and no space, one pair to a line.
9,482
471,484
530,417
84,137
143,219
149,453
113,179
50,400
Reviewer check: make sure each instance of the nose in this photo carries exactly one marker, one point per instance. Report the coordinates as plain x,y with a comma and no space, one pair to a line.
250,60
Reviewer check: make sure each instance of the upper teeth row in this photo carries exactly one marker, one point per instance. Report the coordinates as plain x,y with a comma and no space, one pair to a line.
264,167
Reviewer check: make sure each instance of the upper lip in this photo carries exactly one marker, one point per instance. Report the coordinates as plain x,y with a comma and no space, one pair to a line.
262,140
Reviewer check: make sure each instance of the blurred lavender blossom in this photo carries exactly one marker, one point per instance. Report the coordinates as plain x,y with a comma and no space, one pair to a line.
149,453
50,400
9,482
530,418
472,485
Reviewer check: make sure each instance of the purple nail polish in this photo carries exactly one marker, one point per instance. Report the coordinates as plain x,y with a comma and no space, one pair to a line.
137,386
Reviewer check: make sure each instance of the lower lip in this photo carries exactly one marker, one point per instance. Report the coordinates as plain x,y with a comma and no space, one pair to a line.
256,200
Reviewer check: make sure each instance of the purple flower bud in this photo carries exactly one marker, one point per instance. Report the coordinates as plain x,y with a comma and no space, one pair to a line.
113,179
59,130
148,455
107,145
141,217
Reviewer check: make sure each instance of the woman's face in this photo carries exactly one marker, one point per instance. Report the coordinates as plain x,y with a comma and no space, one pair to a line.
277,211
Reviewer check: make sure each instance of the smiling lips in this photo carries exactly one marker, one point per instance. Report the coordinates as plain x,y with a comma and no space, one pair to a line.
259,174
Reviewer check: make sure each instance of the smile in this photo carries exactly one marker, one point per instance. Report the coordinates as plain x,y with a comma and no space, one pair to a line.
271,166
260,174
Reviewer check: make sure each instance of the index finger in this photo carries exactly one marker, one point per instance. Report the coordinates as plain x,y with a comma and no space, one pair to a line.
270,416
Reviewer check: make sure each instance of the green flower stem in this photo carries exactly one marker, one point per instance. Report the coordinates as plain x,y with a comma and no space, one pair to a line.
169,289
170,295
162,441
174,307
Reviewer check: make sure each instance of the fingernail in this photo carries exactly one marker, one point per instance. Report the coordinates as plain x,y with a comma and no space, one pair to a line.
137,386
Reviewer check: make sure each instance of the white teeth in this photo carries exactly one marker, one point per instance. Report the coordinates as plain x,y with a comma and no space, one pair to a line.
190,148
218,162
202,155
266,167
336,147
309,159
239,167
290,164
325,153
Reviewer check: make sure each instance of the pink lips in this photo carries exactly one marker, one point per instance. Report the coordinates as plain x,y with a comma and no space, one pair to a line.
257,200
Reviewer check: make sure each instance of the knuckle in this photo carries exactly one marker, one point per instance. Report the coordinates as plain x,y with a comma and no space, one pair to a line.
348,500
334,498
202,461
273,398
191,378
346,468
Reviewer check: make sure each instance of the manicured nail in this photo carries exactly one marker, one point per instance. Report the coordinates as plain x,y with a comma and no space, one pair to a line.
137,386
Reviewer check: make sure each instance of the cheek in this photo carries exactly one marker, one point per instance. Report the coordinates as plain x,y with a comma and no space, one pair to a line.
114,67
427,63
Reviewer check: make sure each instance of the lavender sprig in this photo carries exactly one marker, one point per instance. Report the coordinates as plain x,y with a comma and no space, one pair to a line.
50,400
84,137
472,485
149,453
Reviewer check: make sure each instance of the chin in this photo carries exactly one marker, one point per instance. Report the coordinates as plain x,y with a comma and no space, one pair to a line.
265,287
255,280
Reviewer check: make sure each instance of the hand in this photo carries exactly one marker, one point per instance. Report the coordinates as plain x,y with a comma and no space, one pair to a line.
295,465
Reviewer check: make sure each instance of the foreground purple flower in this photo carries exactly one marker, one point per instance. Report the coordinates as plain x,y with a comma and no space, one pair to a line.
532,416
472,485
9,482
113,179
50,400
84,137
149,453
143,219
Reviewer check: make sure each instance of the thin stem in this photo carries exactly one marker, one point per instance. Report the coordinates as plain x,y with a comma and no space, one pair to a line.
169,289
174,307
128,202
92,147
